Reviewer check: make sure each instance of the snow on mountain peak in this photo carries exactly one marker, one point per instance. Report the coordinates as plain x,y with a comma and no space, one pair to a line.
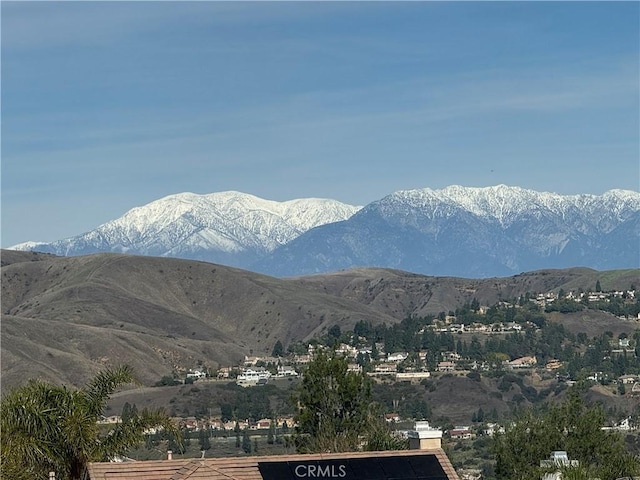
242,230
229,222
506,203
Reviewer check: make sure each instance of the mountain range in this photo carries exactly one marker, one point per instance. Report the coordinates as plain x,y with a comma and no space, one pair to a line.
459,231
65,318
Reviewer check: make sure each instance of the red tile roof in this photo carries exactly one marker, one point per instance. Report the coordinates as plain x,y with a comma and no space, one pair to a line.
234,468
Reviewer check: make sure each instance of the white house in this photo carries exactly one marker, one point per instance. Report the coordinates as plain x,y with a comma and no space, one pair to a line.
397,357
557,459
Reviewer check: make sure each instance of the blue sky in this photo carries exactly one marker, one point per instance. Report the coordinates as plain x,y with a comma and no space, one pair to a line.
111,105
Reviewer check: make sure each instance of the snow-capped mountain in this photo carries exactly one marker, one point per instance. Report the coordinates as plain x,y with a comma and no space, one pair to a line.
461,231
472,232
228,227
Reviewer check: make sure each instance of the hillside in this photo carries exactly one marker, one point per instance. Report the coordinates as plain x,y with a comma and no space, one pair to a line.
63,318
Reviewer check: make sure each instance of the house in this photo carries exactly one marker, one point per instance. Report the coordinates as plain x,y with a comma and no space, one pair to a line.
392,417
628,379
354,367
446,366
522,362
385,369
492,428
347,350
263,423
397,357
196,374
624,425
286,371
553,364
215,424
302,359
479,328
449,318
451,356
190,423
250,361
556,460
461,433
255,373
255,376
230,425
426,459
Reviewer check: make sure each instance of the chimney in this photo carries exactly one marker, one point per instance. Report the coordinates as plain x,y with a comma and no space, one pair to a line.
169,455
424,437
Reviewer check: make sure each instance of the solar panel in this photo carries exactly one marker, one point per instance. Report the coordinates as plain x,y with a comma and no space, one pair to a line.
402,467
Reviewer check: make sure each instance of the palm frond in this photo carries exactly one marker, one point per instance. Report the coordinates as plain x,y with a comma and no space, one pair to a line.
104,384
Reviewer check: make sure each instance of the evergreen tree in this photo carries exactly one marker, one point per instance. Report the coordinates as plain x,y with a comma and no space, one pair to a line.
125,416
272,433
570,426
335,408
246,442
203,439
374,351
334,334
278,350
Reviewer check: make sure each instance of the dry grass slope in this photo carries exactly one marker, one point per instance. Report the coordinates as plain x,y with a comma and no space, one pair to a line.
64,318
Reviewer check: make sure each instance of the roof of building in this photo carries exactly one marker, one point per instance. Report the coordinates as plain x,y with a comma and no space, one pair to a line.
399,464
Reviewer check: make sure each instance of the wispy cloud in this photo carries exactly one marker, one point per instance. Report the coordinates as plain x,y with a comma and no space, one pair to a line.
33,25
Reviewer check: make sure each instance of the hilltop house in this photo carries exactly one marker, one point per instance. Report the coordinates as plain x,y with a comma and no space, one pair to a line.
628,379
286,371
461,433
446,366
385,369
522,362
397,357
253,376
196,374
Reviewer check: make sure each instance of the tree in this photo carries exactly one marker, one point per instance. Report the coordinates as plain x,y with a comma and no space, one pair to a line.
335,411
334,335
46,427
226,412
246,442
271,435
203,439
278,350
571,426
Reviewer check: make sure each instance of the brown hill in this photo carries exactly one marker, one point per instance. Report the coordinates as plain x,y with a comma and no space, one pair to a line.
64,318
